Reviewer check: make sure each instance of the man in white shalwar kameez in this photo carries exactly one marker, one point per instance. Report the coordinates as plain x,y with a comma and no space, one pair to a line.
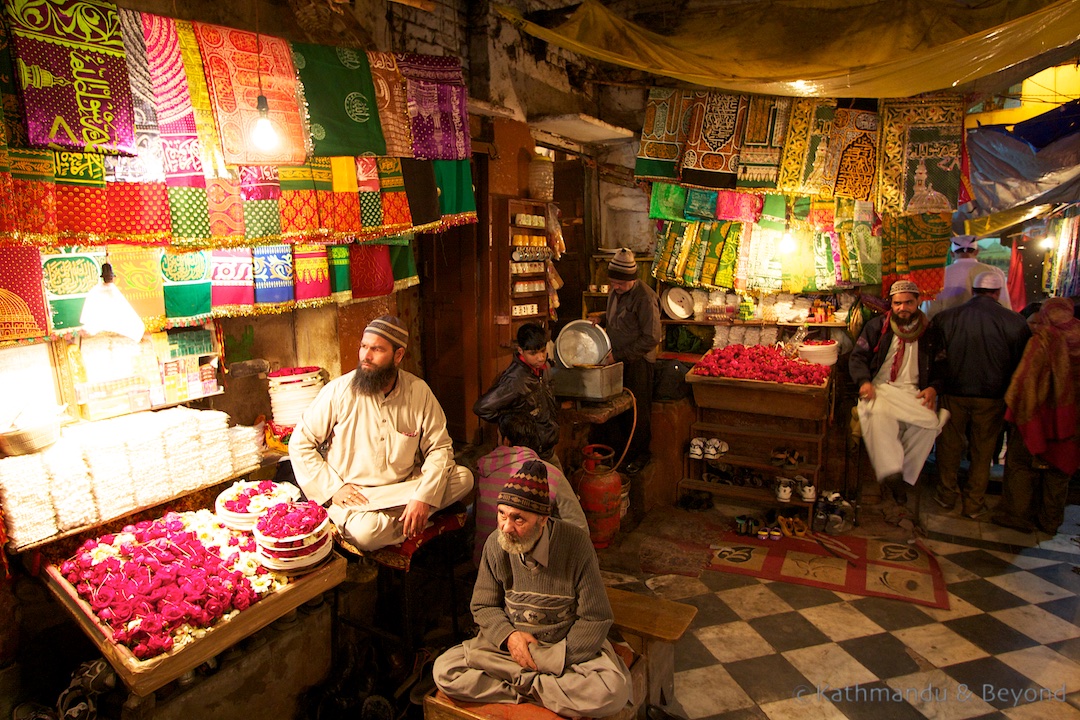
898,364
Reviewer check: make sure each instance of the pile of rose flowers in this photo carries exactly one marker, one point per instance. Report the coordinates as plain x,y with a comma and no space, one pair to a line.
160,584
255,497
760,362
286,520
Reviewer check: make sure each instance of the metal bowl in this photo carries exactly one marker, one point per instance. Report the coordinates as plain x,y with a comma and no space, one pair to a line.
582,343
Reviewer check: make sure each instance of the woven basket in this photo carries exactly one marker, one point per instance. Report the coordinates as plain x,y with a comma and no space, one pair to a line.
30,440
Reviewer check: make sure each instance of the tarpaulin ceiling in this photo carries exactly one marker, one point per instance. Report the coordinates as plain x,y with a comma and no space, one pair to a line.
825,48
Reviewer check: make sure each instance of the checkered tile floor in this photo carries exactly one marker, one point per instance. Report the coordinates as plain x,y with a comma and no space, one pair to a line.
1008,646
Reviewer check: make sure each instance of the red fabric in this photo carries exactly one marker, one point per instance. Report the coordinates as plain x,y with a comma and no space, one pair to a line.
370,271
400,555
137,210
1015,283
23,312
81,211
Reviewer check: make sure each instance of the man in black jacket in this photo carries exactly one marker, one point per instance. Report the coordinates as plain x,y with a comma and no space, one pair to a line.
983,345
898,364
524,387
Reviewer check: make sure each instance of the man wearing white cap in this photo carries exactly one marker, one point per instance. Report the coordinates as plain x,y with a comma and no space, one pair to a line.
897,364
960,275
357,446
983,345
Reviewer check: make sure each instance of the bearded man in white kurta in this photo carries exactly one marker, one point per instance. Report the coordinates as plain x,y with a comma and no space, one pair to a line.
373,446
898,363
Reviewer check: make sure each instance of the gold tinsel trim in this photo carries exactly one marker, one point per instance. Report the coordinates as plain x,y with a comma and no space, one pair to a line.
274,308
465,218
12,342
190,321
155,324
406,283
231,311
313,302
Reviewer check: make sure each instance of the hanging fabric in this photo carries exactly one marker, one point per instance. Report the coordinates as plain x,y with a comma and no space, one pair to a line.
662,136
916,247
806,147
232,282
340,286
73,75
711,157
667,201
312,270
367,184
34,190
69,274
260,191
852,159
396,217
81,198
919,160
393,104
187,286
437,101
345,213
228,57
370,273
272,268
342,107
422,193
763,141
457,200
137,274
23,310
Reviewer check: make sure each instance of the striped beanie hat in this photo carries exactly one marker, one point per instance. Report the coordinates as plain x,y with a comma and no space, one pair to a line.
527,489
623,266
391,328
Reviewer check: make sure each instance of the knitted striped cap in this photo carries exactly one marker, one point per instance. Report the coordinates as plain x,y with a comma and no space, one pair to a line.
391,328
623,266
527,489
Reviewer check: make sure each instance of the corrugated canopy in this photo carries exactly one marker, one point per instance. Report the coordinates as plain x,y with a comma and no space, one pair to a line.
825,48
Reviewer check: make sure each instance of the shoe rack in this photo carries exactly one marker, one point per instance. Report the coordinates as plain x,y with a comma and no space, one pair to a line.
752,438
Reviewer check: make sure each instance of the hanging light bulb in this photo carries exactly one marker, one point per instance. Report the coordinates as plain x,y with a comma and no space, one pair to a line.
107,310
263,135
787,244
1048,243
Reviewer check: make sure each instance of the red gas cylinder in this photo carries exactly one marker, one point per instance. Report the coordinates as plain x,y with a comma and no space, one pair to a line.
600,488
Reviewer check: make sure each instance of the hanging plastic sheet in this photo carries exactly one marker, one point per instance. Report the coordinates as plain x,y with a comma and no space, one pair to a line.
890,48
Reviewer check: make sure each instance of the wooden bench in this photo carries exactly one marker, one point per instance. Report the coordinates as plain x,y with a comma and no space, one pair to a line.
651,626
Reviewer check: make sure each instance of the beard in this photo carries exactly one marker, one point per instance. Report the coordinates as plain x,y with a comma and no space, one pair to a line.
370,382
523,544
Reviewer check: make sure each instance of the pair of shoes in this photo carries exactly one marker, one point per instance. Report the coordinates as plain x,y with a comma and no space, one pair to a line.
792,526
787,458
769,533
976,512
805,488
746,525
697,448
714,448
783,489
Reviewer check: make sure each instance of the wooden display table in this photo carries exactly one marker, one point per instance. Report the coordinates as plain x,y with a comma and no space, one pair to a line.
143,677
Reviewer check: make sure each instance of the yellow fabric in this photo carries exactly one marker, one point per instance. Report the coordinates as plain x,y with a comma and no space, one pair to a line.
824,48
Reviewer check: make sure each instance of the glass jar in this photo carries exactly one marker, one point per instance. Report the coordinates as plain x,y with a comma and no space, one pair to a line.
542,178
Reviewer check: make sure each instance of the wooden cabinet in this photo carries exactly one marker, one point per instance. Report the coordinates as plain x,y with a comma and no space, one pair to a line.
519,230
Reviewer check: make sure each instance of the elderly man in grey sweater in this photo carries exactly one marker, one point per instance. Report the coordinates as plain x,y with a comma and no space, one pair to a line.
543,615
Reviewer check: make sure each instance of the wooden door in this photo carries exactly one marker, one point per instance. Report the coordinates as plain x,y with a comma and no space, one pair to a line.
450,299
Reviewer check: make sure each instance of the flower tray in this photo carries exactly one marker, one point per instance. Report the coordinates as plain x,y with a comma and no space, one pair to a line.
807,402
143,677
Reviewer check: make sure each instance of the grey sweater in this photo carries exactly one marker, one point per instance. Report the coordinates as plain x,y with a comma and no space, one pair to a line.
565,599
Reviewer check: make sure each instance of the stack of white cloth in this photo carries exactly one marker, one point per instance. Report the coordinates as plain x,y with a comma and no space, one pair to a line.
28,511
769,335
180,434
737,335
290,395
720,339
214,444
800,310
70,487
245,445
142,434
110,471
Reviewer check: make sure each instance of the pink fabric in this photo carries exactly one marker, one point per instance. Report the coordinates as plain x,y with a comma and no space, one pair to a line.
740,206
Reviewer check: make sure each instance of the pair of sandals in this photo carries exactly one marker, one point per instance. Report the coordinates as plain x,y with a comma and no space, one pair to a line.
702,448
792,526
786,458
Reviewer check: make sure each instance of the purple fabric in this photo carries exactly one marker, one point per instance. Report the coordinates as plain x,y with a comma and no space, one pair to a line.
259,182
438,106
74,76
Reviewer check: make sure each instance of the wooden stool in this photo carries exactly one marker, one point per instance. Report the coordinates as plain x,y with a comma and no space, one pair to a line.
396,563
651,626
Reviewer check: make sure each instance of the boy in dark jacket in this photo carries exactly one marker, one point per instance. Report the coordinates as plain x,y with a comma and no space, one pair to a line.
525,387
